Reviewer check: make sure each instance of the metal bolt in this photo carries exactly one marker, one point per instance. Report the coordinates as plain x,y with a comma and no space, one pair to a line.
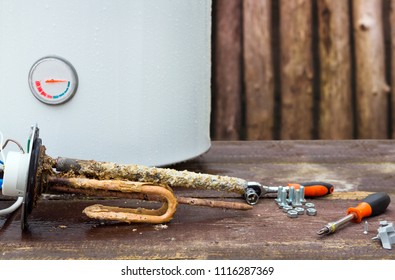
311,211
291,194
279,190
292,214
283,201
294,196
365,227
286,208
300,210
296,201
309,205
302,199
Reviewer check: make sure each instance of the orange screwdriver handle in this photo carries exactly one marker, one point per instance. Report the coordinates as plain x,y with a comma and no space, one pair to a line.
314,189
373,205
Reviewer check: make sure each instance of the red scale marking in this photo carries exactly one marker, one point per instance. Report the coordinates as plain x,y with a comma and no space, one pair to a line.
41,91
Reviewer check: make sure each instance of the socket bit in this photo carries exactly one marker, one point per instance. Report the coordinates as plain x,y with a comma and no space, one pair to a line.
366,227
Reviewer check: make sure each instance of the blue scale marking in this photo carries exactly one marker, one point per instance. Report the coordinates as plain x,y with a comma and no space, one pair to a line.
63,93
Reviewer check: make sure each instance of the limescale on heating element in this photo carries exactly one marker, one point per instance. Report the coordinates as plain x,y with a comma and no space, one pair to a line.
53,80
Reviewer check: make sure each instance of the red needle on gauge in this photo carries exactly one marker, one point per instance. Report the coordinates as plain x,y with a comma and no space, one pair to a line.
55,81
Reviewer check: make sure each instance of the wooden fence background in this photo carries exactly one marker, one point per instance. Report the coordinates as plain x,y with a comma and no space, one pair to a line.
303,69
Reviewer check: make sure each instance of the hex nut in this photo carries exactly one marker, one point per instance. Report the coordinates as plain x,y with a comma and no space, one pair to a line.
309,205
311,211
287,208
292,214
300,210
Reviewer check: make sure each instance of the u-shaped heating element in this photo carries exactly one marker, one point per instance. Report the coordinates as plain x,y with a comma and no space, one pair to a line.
140,215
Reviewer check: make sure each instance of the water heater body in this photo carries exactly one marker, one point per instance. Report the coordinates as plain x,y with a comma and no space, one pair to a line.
124,81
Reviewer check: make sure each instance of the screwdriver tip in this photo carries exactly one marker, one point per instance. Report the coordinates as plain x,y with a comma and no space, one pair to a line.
324,230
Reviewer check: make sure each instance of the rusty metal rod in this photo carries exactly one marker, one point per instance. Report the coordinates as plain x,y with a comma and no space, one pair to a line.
213,203
140,173
73,185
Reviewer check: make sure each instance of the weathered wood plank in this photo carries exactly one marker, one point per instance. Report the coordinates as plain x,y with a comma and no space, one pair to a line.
335,114
258,69
59,230
296,69
371,87
263,233
227,70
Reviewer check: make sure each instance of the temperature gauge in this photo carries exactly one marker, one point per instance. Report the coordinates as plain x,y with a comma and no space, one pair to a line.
53,80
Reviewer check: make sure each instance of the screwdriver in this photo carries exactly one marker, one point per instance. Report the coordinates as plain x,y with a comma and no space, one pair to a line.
373,205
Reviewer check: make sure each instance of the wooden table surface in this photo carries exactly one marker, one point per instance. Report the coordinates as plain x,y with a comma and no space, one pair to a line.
59,230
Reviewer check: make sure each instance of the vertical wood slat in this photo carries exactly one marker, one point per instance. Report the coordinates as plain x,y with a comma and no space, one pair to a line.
227,71
371,88
392,27
258,69
335,114
296,69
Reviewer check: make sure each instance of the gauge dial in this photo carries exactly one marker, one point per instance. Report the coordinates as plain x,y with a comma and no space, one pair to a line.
53,80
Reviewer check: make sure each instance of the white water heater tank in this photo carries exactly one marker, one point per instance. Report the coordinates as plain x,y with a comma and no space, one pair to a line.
113,80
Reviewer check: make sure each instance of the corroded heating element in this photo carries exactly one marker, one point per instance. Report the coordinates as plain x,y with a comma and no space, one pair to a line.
136,182
140,173
40,174
140,215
